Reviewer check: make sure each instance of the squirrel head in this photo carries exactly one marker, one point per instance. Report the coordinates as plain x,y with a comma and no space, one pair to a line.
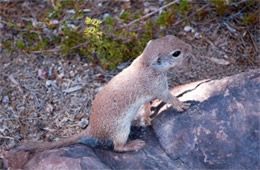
164,53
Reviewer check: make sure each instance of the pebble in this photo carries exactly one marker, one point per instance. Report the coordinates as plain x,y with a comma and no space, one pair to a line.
5,100
72,73
197,35
54,22
72,26
86,10
188,29
48,83
42,74
50,72
71,11
1,26
49,108
61,75
83,123
106,15
46,30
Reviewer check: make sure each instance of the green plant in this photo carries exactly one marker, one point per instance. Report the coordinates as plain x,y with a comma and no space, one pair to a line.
110,50
184,7
166,18
221,6
251,18
103,43
20,44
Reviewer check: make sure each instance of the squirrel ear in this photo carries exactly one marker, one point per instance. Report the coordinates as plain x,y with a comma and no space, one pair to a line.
147,46
149,42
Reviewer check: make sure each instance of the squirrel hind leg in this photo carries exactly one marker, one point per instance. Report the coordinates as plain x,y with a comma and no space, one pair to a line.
96,143
133,145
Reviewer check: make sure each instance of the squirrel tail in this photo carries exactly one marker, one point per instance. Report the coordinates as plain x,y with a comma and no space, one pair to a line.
41,146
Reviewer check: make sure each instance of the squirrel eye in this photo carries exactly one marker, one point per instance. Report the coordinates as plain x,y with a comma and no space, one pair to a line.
159,60
176,53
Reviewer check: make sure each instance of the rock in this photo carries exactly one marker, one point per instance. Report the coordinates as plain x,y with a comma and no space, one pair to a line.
5,100
219,131
197,35
86,10
54,22
106,15
1,25
188,29
48,83
83,123
222,132
42,74
49,108
71,11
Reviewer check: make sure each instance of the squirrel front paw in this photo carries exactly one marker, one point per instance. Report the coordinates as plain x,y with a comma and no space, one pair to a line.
181,106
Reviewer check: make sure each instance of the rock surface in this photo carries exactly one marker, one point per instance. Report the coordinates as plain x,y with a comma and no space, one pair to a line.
221,130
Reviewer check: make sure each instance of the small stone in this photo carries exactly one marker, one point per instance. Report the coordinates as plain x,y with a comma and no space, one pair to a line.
72,73
61,75
188,29
5,100
71,11
50,72
49,108
86,10
146,10
83,123
226,56
106,15
46,30
54,22
42,74
72,26
146,4
48,83
1,26
197,35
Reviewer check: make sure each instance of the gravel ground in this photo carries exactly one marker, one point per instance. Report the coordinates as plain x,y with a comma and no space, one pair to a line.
43,98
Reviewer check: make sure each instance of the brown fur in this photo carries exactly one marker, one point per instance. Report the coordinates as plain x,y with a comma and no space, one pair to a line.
116,105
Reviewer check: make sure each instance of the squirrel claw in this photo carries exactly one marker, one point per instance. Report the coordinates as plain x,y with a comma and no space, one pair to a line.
182,106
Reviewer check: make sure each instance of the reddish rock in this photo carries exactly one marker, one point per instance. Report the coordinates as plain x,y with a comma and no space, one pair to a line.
219,131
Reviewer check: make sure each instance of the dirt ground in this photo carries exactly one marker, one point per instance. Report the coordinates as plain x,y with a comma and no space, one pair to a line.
44,98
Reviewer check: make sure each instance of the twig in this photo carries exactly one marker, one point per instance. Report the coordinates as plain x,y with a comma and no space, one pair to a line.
50,50
11,77
82,44
217,60
73,89
251,37
191,14
151,13
209,41
238,3
53,4
6,137
56,49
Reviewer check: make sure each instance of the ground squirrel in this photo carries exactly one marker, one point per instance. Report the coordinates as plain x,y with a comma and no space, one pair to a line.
116,105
